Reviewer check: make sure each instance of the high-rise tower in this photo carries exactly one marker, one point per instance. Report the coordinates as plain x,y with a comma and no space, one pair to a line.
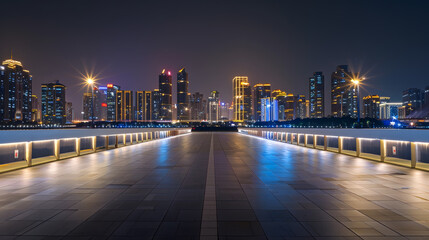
54,103
260,91
183,111
242,93
317,96
165,90
15,92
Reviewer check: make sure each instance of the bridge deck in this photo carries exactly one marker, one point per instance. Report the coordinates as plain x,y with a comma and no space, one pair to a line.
220,185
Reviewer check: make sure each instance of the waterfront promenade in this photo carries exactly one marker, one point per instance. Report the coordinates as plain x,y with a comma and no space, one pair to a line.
214,186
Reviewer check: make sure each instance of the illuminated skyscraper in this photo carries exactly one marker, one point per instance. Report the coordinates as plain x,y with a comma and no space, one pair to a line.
144,106
35,109
213,107
183,111
87,106
69,112
111,101
242,97
371,105
15,92
426,97
290,106
269,109
281,98
259,91
412,99
54,103
317,96
343,94
165,89
302,107
198,106
124,105
156,104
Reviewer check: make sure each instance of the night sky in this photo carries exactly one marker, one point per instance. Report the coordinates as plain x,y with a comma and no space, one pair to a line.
278,42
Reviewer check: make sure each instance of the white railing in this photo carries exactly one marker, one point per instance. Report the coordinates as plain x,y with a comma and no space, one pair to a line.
26,154
404,153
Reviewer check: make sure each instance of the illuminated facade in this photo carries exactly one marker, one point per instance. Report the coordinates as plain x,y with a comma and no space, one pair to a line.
54,103
371,105
412,100
343,94
69,112
269,109
198,108
15,92
124,105
213,107
183,111
316,95
389,110
35,109
289,107
156,104
281,99
302,107
259,91
111,101
242,97
165,89
144,106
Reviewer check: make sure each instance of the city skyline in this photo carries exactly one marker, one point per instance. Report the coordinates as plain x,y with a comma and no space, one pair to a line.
277,47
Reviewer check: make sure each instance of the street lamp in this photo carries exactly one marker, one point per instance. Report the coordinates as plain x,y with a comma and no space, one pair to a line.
356,82
90,82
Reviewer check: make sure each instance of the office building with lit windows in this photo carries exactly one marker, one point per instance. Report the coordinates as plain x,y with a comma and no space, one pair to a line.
144,106
242,97
371,105
183,111
343,93
54,103
198,106
124,105
111,101
165,90
389,110
213,107
316,95
15,92
259,91
69,112
269,109
412,100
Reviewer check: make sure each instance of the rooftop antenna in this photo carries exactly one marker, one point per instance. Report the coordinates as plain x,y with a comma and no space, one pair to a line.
11,54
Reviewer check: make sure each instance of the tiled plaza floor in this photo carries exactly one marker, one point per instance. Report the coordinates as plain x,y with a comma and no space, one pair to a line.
214,186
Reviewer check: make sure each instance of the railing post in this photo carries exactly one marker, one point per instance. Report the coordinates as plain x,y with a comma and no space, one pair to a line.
94,143
297,139
77,146
29,153
340,144
106,142
414,154
116,141
124,136
314,141
131,139
305,140
358,147
57,149
325,142
383,150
